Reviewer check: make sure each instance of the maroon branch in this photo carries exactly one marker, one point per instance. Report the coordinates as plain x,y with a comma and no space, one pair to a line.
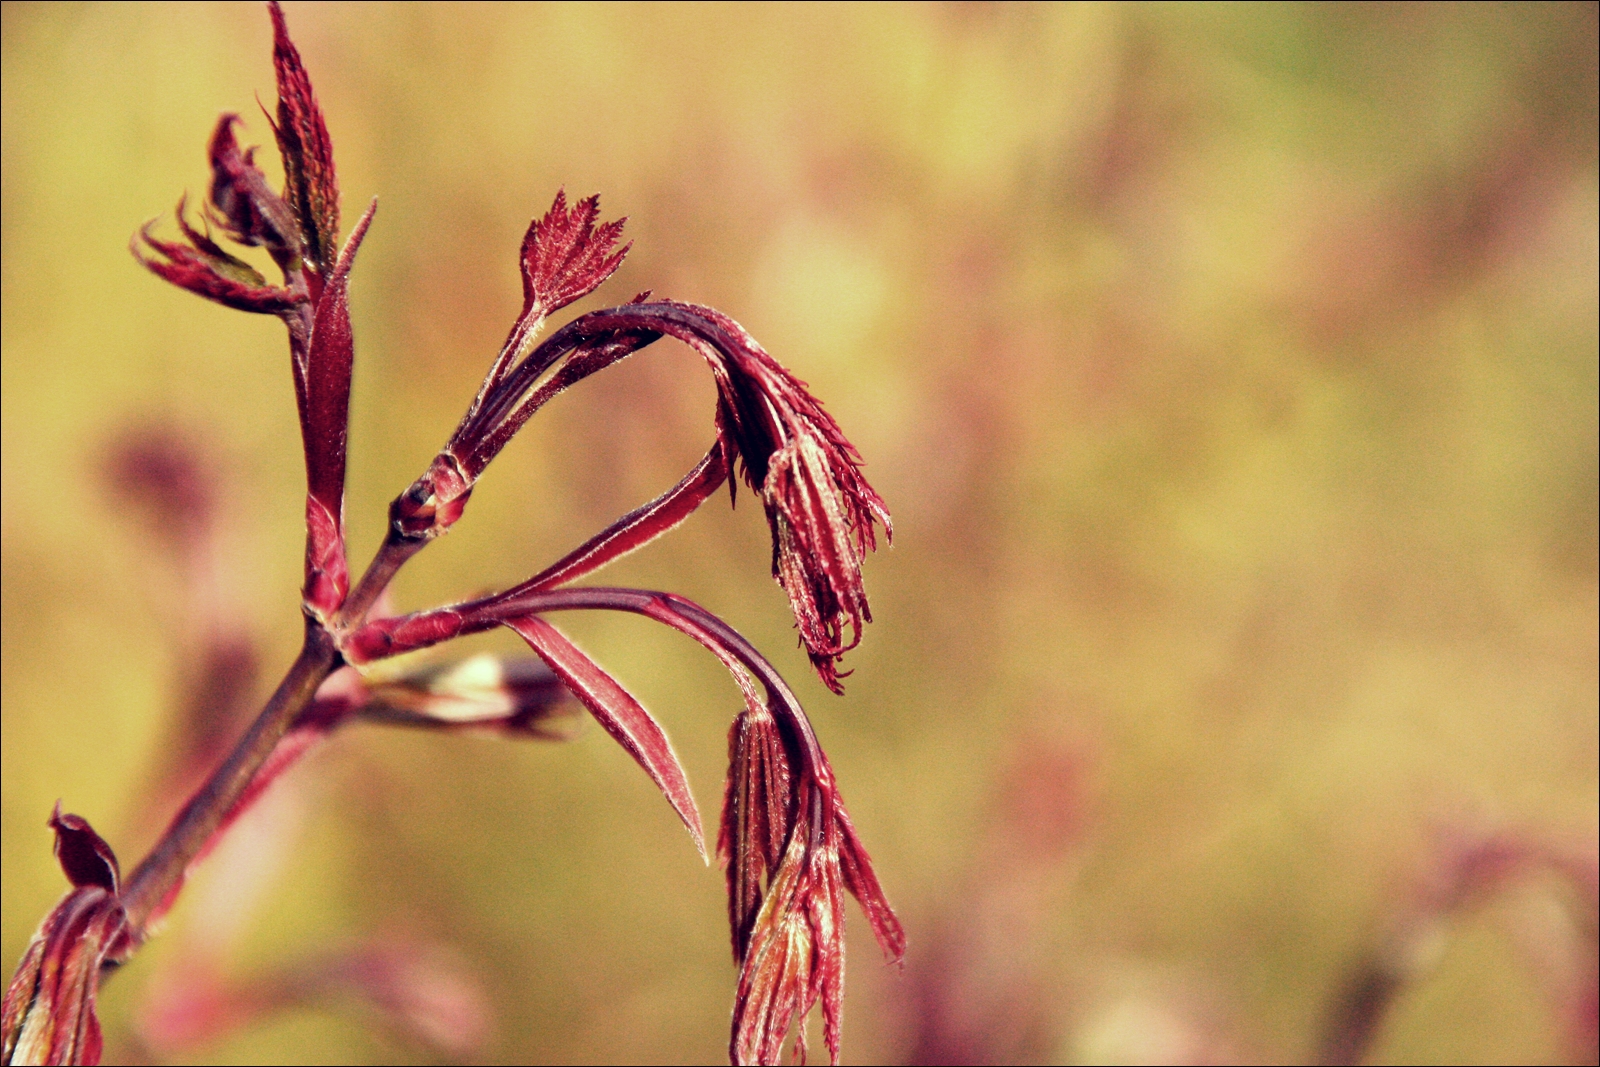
786,842
819,507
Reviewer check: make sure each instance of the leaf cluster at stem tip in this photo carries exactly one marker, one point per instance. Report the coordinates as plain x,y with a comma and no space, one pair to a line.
787,845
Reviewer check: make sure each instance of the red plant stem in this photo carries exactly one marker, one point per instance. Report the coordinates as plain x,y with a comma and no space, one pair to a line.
639,527
150,888
425,628
391,556
690,618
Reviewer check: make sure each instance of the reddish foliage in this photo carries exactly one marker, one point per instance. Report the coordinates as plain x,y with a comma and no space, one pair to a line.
251,212
309,182
49,1008
206,270
325,419
622,716
84,856
788,845
565,257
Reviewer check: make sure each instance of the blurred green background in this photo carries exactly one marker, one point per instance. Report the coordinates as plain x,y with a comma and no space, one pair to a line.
1230,372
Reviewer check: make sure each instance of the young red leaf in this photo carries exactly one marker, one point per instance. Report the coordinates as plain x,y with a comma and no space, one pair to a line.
795,958
794,948
327,376
623,717
757,815
565,257
209,272
781,800
251,214
250,211
323,385
48,1014
309,182
819,507
820,533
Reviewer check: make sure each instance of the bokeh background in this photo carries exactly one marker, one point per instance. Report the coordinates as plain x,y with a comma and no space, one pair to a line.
1230,372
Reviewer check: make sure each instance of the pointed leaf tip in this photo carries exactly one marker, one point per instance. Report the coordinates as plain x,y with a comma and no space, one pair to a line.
205,270
622,716
310,184
84,856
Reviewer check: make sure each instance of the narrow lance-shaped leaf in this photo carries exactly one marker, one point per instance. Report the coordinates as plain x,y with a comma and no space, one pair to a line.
757,814
623,717
324,388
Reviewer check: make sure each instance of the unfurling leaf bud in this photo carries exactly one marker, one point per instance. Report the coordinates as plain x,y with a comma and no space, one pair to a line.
48,1014
204,268
250,211
309,184
434,502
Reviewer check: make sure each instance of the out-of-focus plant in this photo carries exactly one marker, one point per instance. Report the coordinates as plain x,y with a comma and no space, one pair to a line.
787,845
1466,869
979,993
987,990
